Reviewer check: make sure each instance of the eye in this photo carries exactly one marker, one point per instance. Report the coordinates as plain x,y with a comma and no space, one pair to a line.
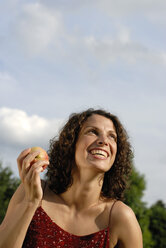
92,131
113,136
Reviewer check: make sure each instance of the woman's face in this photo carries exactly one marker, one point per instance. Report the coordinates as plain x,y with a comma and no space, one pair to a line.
96,146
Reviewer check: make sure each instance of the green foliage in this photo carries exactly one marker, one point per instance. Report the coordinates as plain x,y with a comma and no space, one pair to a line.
157,216
135,189
133,196
8,185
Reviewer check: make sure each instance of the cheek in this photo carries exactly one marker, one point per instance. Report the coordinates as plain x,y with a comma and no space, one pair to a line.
83,143
113,146
79,157
114,150
78,152
81,150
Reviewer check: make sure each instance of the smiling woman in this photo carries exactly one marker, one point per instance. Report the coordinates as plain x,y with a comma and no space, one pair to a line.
80,203
115,179
95,144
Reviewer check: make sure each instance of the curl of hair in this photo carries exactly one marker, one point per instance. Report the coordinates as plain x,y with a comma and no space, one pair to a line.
62,157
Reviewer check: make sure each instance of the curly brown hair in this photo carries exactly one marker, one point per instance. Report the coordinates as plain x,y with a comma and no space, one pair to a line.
62,157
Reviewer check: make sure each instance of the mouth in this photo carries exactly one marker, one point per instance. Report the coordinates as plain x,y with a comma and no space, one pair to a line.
99,153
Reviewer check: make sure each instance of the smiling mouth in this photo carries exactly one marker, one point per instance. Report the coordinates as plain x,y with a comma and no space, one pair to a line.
99,153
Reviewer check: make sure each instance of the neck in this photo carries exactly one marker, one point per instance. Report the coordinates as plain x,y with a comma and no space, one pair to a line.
85,191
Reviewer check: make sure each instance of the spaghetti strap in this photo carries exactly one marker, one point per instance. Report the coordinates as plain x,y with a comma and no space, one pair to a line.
110,215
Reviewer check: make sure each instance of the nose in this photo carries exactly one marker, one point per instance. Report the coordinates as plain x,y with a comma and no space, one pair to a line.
102,140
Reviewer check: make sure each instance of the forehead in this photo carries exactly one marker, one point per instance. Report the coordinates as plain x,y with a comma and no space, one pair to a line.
99,121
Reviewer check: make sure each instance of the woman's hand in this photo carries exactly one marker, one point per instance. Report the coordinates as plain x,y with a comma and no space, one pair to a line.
29,172
24,202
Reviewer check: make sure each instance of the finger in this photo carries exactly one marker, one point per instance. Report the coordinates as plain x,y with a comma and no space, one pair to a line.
30,158
22,155
38,166
28,178
32,183
34,176
28,162
36,180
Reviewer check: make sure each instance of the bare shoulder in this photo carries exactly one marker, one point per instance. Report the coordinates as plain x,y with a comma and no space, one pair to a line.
122,212
124,226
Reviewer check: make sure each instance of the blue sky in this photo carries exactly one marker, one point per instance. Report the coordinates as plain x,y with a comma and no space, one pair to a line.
59,57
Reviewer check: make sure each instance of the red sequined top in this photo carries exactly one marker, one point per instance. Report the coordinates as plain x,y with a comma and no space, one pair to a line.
44,233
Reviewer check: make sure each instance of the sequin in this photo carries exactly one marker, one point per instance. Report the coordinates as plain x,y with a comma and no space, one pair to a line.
44,233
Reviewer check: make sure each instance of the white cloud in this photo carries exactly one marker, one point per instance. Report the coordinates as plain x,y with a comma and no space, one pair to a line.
41,30
38,26
123,34
122,48
19,129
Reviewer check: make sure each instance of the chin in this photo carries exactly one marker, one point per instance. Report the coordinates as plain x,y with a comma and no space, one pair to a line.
100,167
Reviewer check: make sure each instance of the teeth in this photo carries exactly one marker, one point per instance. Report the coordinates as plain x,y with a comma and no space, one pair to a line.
99,152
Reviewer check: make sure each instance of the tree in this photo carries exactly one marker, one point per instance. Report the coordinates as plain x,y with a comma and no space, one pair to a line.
133,196
157,216
8,185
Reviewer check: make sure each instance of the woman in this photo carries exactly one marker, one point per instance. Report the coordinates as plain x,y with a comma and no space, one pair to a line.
80,203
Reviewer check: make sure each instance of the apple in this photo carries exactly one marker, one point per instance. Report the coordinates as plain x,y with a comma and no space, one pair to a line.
42,155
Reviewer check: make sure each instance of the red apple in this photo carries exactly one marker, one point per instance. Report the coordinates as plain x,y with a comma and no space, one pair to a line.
42,155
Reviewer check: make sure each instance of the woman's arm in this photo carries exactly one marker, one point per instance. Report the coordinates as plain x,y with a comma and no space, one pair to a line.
125,227
15,224
24,202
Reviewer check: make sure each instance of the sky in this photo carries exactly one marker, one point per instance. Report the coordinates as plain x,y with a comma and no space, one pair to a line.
64,56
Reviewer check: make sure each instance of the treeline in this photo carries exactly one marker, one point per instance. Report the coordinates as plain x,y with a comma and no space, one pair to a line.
152,219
